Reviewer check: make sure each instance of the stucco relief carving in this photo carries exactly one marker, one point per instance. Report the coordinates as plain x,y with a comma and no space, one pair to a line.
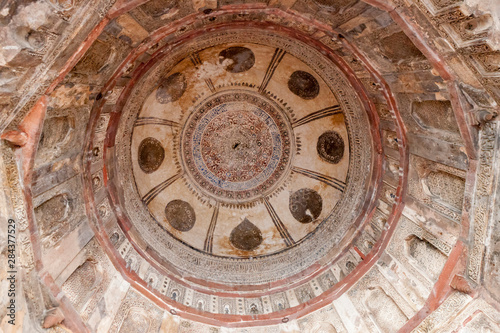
439,317
482,199
86,284
384,311
17,197
136,314
82,282
428,246
438,186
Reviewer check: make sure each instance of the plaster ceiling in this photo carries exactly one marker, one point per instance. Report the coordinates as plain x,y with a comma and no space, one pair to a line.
237,146
297,165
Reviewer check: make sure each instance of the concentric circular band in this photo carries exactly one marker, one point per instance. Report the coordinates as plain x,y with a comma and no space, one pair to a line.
237,146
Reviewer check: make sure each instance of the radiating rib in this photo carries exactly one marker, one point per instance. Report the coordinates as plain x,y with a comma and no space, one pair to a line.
333,182
196,60
208,246
210,85
141,121
158,188
275,61
279,225
326,112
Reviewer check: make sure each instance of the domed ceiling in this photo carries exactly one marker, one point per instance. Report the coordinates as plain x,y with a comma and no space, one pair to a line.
252,166
236,158
241,144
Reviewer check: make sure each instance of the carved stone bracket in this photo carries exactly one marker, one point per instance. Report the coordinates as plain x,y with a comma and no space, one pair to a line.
17,138
478,117
461,284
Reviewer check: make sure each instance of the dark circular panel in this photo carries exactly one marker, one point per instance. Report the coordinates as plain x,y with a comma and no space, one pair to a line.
305,205
180,215
330,147
171,88
246,236
242,58
303,85
151,155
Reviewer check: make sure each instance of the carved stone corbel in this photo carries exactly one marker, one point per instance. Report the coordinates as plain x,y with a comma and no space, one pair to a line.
478,117
52,318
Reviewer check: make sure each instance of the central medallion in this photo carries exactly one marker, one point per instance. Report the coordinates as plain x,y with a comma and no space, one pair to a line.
237,146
